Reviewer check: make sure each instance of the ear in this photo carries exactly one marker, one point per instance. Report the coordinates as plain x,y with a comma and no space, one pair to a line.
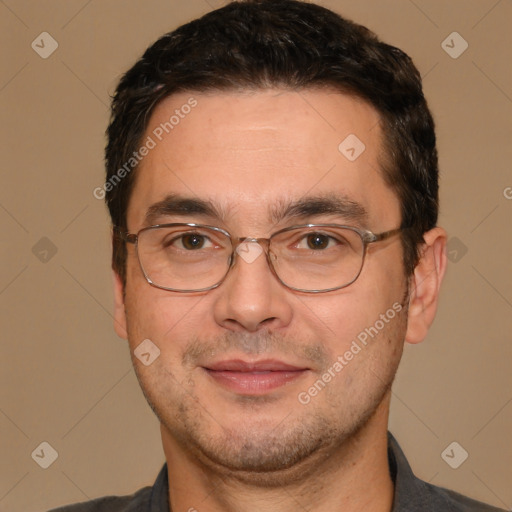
119,309
425,284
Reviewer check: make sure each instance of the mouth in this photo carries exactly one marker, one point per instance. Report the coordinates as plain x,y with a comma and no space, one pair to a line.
253,378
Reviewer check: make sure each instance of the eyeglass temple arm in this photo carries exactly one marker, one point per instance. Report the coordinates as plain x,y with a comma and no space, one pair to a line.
130,238
387,234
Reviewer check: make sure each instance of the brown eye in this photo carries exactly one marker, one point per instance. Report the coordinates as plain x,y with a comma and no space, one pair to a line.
193,241
317,241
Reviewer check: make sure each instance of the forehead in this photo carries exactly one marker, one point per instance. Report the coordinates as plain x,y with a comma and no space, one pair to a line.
248,153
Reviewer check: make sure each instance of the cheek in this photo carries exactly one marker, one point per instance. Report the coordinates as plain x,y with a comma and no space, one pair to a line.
352,314
168,320
146,311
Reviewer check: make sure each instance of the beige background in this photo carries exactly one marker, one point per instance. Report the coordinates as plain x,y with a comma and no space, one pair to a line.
66,378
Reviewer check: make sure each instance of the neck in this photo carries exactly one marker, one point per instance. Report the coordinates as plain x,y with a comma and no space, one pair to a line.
349,478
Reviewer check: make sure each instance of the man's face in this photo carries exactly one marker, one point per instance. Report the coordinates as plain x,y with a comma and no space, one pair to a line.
251,154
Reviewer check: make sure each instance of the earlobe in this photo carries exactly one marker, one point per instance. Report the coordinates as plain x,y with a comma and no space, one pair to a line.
425,284
119,309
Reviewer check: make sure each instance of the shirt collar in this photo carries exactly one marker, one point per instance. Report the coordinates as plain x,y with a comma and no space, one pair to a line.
410,493
159,501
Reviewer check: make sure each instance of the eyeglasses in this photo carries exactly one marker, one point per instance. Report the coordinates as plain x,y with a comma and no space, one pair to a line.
311,258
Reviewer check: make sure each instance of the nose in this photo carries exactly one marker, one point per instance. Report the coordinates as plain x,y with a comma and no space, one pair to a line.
251,297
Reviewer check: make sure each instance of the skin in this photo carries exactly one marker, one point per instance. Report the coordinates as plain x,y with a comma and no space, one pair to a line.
247,152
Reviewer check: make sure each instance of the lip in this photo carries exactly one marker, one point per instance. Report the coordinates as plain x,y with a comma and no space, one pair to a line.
253,377
267,365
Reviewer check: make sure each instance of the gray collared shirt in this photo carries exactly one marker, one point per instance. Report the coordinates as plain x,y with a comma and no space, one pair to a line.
411,494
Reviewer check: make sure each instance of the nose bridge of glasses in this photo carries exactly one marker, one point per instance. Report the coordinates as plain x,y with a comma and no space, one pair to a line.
263,242
249,249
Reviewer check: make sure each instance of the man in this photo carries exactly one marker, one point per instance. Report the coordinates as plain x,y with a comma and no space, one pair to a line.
272,183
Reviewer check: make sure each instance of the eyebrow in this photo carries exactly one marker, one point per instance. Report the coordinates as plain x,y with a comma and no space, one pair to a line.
175,204
305,207
326,204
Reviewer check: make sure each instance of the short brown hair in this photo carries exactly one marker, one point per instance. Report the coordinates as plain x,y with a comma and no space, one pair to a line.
260,44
